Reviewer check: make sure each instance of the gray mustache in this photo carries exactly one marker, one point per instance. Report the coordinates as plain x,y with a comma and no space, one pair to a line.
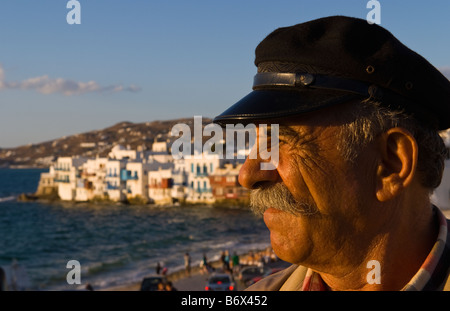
279,197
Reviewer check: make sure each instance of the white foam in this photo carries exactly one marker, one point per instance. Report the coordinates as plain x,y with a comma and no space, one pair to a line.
9,198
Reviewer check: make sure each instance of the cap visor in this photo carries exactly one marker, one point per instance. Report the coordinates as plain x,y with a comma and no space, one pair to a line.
269,104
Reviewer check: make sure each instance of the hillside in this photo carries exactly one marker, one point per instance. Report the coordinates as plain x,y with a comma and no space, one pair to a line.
90,144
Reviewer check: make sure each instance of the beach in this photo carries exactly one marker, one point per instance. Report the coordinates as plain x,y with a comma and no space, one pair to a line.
197,279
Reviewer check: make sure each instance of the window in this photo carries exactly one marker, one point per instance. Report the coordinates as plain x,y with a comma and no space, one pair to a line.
231,178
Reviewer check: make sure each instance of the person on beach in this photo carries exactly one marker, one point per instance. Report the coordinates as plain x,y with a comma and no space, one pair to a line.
187,264
347,200
3,284
205,265
235,263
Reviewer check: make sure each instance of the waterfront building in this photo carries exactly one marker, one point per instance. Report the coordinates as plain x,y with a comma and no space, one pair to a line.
225,185
115,186
139,176
159,153
161,183
119,152
47,187
67,170
135,176
198,170
91,181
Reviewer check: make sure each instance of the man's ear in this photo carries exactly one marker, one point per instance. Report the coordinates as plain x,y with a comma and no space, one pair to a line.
398,154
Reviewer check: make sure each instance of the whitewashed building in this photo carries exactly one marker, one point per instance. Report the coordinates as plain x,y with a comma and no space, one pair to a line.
198,170
135,175
66,174
91,181
115,186
160,183
119,152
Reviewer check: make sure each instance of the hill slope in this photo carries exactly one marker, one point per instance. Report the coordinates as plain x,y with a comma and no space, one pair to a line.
90,144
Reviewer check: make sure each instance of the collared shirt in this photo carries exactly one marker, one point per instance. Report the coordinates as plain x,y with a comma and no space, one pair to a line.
431,275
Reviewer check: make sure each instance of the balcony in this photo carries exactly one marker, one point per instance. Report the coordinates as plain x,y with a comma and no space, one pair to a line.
112,187
203,190
127,175
62,180
201,174
62,169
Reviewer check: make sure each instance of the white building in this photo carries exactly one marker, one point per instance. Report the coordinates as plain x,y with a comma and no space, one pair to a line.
136,177
133,175
198,170
160,184
119,152
160,153
115,186
66,173
91,182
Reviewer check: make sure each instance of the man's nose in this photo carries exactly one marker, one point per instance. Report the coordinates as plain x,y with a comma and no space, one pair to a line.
251,175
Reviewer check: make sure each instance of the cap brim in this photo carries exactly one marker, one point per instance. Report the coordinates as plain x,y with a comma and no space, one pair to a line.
266,104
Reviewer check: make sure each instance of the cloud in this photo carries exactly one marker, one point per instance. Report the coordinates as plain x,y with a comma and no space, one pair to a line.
46,85
445,71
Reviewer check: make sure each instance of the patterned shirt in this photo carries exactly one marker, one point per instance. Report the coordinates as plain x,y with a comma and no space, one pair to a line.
431,275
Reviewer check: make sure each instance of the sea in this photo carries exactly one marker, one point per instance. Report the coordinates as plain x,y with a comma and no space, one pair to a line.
115,244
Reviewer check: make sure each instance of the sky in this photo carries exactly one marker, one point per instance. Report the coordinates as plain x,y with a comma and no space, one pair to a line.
145,60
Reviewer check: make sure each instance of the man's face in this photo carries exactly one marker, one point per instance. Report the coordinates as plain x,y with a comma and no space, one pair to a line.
327,195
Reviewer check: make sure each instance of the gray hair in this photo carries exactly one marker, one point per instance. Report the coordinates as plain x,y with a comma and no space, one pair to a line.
368,119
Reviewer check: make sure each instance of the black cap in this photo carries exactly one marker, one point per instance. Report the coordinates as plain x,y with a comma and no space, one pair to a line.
335,59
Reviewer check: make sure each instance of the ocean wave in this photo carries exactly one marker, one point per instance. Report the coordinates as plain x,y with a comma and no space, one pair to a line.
8,198
100,267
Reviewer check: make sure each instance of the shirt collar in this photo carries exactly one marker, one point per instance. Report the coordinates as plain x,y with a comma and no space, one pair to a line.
434,268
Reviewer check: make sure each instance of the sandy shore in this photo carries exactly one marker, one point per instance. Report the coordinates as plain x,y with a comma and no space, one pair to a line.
197,280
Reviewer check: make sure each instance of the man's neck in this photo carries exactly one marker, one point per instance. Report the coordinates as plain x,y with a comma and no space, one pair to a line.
400,252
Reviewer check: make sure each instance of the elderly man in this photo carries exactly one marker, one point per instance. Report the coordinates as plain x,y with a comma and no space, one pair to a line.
359,154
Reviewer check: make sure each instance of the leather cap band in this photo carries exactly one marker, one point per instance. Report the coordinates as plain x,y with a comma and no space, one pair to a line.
267,80
296,80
